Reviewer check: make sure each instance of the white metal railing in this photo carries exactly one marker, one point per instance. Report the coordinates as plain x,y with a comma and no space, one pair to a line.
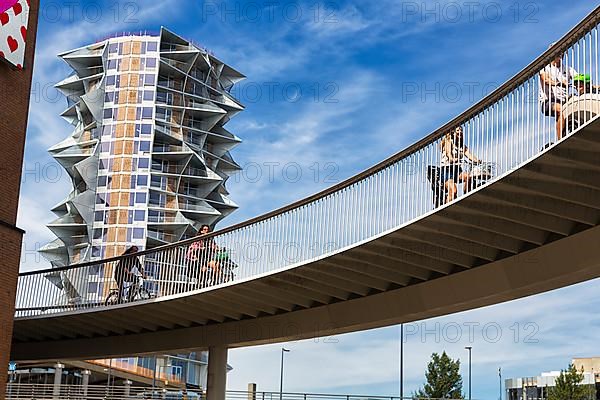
502,132
25,391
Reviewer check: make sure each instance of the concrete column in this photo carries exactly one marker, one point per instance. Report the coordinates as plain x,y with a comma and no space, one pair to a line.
58,370
85,381
127,383
217,373
252,391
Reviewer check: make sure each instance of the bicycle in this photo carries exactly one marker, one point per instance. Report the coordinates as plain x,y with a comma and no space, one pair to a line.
135,291
480,173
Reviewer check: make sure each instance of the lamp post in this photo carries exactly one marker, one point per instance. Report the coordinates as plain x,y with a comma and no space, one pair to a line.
500,383
283,350
469,348
401,361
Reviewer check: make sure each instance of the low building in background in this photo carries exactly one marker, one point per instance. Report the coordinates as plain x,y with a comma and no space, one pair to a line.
182,371
537,387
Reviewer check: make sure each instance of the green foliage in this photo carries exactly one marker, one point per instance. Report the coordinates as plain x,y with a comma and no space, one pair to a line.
567,386
443,379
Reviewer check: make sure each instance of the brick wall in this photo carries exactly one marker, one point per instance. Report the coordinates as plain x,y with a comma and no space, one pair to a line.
15,87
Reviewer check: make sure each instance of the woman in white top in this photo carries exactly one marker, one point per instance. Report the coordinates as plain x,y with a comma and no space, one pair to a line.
554,84
454,151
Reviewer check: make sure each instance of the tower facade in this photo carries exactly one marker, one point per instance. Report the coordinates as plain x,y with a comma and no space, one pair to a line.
149,155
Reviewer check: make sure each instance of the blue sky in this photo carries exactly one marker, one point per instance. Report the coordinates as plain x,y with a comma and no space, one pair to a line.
329,92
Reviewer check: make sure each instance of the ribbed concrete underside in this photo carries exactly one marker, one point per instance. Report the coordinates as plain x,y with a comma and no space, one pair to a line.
532,231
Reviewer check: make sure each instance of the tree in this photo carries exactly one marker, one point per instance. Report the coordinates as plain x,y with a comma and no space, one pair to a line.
568,386
443,379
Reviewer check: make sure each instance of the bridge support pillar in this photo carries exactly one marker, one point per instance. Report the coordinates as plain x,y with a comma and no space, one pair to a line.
252,391
85,381
58,370
217,373
127,383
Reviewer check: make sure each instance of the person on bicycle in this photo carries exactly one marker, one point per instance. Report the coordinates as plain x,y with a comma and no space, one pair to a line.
554,84
125,271
203,253
583,85
454,151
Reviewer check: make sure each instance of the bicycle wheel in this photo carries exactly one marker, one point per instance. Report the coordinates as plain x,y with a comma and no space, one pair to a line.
140,294
143,294
112,298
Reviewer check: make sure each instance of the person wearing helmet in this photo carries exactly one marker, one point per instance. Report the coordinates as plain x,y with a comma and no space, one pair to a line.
583,84
554,83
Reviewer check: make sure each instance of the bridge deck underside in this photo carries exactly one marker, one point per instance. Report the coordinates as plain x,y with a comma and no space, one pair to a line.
525,233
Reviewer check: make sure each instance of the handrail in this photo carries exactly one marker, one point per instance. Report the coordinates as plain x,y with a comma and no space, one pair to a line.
506,127
36,390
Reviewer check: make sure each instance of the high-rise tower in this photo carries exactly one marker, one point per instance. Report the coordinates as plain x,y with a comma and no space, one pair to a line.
149,154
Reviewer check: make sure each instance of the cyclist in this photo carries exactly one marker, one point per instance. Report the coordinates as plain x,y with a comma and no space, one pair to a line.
125,271
204,252
454,151
554,84
583,84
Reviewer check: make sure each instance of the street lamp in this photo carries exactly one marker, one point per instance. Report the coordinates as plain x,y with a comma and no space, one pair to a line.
283,350
401,361
469,348
500,383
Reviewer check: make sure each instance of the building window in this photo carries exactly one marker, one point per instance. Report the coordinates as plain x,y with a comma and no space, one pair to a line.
138,233
93,286
147,113
112,64
108,113
110,80
148,95
98,216
152,46
150,80
95,251
146,129
145,146
100,198
139,215
143,163
142,180
113,48
140,198
150,62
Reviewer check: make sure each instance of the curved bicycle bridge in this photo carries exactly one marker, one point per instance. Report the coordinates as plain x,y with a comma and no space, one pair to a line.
372,251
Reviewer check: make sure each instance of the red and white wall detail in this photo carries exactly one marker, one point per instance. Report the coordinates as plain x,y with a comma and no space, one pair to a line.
14,15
